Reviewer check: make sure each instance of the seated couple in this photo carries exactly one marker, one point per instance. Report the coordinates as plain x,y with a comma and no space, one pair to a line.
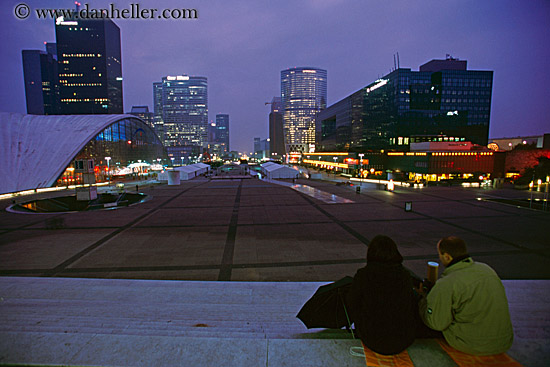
467,305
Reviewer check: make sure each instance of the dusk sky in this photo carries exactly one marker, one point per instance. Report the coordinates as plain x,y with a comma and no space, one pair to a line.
242,46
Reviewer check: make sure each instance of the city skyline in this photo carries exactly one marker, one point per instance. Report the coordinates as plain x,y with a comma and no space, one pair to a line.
242,46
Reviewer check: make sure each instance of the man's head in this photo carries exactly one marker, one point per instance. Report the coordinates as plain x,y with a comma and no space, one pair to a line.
450,248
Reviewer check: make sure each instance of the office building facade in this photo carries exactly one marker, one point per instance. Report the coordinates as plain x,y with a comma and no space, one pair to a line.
276,136
41,82
90,66
219,135
303,95
181,103
143,113
443,101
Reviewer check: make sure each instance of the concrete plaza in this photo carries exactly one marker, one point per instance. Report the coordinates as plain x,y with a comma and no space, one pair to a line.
252,230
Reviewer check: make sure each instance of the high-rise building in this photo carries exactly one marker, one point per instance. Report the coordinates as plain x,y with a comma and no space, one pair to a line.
41,82
181,102
276,137
261,148
143,113
157,110
90,67
443,101
303,95
219,135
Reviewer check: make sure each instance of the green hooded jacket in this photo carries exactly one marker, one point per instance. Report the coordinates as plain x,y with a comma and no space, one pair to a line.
468,304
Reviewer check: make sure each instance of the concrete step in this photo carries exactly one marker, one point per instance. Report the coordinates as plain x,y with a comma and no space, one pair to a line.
133,317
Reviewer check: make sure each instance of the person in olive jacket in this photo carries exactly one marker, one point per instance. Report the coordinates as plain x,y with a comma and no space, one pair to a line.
468,303
381,301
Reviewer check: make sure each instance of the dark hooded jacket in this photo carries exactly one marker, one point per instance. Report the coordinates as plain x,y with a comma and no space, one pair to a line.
383,307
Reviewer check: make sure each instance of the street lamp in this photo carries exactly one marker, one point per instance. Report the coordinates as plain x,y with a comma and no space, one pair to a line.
335,159
182,160
361,155
172,159
108,170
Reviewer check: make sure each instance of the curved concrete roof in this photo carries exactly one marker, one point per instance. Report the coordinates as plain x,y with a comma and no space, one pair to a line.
35,149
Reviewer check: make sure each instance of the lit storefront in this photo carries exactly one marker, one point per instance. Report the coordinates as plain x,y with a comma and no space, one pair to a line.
411,166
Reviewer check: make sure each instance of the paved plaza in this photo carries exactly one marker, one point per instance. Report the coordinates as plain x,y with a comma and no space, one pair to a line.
251,253
253,230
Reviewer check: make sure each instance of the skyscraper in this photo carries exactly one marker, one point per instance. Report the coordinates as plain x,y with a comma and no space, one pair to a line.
143,113
90,70
181,102
303,95
41,82
219,141
157,110
443,101
276,137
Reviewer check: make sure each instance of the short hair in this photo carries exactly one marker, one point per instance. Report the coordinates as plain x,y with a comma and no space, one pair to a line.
383,249
454,246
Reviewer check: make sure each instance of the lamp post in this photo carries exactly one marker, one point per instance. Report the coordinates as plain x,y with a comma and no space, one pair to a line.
172,159
361,155
335,159
108,170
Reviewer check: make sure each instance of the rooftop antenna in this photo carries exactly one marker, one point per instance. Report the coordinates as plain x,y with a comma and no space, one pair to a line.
398,66
394,63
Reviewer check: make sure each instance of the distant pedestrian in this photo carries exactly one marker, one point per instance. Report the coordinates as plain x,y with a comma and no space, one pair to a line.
137,188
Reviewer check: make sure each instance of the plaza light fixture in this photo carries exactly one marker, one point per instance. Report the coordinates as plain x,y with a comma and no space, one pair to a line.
108,169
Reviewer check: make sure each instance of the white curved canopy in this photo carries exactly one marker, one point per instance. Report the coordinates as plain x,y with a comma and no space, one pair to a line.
35,149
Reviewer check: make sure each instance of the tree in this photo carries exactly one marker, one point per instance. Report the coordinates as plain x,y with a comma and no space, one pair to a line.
538,172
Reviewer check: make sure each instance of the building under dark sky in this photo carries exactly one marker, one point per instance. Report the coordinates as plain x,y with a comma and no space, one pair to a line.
276,140
41,82
442,102
90,66
182,102
303,95
220,134
143,113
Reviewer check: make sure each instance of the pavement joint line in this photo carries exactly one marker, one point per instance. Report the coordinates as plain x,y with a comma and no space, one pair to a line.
61,267
45,218
474,203
238,266
229,248
519,247
530,212
344,226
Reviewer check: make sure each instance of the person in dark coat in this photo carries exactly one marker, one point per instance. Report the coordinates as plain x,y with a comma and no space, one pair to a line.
381,301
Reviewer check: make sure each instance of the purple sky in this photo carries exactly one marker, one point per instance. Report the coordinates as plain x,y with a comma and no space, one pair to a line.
241,46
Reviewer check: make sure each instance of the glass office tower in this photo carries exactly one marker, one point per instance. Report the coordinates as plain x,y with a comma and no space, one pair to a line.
303,95
41,82
276,140
90,66
443,101
221,133
183,107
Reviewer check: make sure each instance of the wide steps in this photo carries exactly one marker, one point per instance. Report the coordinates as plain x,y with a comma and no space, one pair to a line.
157,308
